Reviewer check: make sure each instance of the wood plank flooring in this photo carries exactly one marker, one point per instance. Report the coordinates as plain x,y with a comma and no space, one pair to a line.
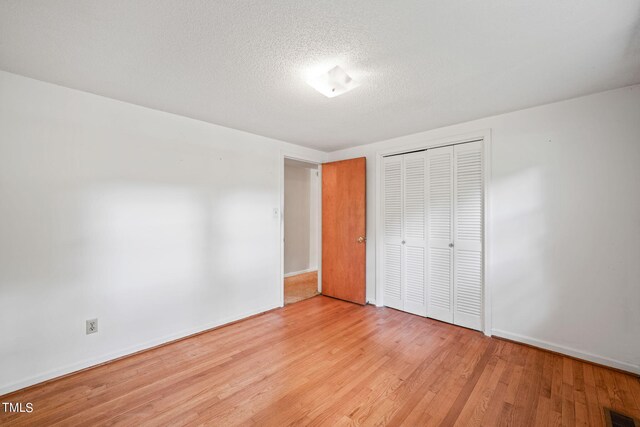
328,362
300,287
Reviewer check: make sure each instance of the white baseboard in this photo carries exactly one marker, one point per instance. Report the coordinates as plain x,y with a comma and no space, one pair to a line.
68,369
578,354
295,273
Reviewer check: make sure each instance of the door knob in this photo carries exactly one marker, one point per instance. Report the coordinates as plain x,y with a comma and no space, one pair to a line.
450,245
403,242
362,239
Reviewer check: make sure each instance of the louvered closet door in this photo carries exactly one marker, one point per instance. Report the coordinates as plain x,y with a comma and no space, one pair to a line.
439,233
392,224
414,226
468,232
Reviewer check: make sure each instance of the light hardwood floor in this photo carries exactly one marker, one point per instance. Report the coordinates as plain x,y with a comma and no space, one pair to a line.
328,362
300,287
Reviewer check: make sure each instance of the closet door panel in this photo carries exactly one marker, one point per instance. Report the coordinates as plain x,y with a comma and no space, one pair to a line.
439,233
414,209
468,233
393,276
468,289
393,232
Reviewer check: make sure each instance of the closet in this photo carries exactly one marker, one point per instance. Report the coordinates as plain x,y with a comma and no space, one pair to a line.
433,207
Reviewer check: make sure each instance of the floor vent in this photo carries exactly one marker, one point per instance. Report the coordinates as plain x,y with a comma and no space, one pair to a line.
616,419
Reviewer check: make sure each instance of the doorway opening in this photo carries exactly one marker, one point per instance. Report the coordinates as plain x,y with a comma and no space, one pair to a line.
301,216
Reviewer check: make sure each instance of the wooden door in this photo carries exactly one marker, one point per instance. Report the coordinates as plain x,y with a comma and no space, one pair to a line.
343,230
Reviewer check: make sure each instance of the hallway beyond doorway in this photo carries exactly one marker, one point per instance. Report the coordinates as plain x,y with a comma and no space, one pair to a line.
300,287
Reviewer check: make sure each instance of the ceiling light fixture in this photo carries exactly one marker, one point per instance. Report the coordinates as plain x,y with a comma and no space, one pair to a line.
333,83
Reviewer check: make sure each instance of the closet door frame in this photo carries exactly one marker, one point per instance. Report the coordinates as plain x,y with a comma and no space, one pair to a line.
414,143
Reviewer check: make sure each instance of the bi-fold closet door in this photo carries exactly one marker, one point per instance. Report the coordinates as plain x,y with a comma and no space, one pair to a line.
432,256
404,239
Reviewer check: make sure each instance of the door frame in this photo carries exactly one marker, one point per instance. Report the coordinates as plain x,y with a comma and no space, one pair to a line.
485,136
293,155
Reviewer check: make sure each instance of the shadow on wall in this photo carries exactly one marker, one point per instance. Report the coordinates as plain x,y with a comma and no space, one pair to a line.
148,260
558,239
520,232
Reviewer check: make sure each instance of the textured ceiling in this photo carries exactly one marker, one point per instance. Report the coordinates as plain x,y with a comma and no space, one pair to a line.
242,64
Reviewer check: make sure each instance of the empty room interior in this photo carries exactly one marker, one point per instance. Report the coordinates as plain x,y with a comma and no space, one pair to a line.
277,213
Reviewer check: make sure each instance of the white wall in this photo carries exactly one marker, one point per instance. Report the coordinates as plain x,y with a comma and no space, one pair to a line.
565,223
156,224
315,218
297,220
301,198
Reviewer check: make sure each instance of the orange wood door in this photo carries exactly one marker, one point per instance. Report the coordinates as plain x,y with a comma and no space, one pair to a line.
343,230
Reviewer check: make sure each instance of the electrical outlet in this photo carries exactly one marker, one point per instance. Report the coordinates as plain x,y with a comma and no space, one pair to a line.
92,326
